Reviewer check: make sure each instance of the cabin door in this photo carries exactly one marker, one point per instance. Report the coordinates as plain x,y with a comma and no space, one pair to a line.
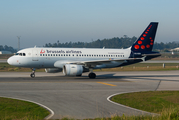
34,55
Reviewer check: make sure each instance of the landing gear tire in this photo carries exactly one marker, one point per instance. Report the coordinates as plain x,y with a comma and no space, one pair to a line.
32,75
92,75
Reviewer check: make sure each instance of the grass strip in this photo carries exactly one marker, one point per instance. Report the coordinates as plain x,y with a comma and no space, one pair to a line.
170,114
145,67
12,109
152,101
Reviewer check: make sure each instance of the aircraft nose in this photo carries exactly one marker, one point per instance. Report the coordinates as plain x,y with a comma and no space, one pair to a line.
10,61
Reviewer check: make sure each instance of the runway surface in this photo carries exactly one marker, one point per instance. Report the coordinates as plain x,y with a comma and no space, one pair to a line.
81,97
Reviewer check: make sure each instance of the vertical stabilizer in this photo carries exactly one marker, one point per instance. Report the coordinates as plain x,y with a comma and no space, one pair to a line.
146,41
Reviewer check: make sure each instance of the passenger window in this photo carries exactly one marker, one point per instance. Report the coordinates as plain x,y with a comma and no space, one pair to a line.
40,54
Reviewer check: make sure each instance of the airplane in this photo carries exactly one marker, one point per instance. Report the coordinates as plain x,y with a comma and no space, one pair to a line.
76,61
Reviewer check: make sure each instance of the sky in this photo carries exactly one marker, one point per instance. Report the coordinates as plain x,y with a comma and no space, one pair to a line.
46,21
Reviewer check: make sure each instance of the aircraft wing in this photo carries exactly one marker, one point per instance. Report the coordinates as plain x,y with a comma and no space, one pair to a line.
100,62
155,54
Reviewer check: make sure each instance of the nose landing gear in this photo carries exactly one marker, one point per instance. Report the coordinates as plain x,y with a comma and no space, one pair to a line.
32,75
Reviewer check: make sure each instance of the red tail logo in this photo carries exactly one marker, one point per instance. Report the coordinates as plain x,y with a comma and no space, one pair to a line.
42,51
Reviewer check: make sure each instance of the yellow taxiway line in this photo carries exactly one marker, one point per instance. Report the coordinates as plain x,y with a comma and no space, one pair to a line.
106,84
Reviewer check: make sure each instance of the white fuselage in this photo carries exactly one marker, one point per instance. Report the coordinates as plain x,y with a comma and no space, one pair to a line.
47,57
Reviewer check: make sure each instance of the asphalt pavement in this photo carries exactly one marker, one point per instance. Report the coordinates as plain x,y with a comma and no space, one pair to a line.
81,97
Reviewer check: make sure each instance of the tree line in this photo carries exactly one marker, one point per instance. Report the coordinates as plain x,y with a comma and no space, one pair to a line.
7,48
123,42
116,42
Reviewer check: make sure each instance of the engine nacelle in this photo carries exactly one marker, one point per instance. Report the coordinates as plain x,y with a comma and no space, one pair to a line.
53,70
72,70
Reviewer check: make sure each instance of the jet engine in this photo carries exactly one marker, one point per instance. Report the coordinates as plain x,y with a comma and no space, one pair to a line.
72,70
53,70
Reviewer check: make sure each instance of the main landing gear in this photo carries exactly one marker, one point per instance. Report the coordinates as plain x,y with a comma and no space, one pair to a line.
32,75
91,75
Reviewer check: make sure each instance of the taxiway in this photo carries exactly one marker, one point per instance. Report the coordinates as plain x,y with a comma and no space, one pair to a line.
81,97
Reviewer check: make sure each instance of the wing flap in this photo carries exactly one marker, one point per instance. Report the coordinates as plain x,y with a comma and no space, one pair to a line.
156,54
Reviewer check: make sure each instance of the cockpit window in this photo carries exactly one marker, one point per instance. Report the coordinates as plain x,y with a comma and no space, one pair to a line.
21,54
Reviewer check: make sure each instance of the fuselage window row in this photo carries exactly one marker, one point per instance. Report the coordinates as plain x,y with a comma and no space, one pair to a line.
80,55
